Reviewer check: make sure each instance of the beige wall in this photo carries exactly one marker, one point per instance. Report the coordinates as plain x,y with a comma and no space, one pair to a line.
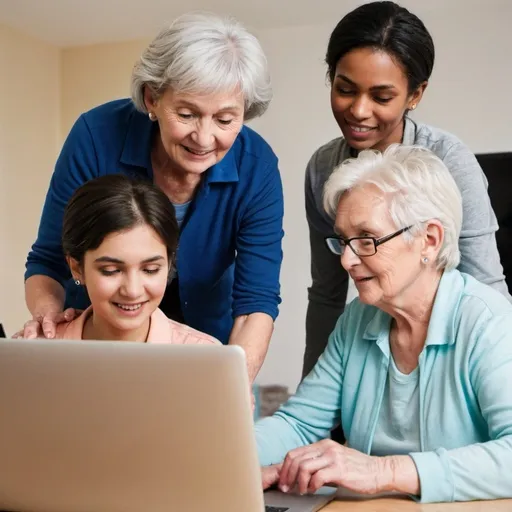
29,143
94,74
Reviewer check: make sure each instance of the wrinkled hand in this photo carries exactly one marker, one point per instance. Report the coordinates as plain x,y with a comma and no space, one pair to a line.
44,326
270,475
308,468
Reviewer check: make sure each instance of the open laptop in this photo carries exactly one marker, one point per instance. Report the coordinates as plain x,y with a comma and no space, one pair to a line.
129,427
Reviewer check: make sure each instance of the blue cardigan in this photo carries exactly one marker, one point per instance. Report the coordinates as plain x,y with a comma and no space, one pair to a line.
229,254
465,392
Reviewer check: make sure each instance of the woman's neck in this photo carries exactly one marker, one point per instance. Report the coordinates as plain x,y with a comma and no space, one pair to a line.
179,186
96,328
411,313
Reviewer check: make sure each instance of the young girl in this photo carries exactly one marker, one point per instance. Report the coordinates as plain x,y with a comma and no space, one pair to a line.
120,238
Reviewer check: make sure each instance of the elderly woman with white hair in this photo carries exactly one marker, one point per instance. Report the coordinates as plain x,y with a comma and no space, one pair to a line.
193,88
418,369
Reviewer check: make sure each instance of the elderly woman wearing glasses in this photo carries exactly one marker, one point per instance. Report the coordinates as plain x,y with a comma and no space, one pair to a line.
418,370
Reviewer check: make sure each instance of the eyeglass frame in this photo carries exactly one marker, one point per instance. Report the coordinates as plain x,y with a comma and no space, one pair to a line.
376,241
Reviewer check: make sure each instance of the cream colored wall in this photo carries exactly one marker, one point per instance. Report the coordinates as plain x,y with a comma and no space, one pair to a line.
94,74
29,143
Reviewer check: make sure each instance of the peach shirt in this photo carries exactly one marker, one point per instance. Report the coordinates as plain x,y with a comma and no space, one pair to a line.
161,330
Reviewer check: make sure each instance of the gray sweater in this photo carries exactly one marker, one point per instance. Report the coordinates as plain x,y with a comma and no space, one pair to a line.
477,242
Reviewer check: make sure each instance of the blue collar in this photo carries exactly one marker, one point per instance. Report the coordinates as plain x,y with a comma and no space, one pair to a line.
137,143
225,171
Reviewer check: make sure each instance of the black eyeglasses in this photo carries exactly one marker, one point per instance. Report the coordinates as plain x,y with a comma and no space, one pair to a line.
362,246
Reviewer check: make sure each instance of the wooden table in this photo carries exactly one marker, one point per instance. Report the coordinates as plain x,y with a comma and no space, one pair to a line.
407,505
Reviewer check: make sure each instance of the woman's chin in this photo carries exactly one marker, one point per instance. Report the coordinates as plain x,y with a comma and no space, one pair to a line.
125,323
367,297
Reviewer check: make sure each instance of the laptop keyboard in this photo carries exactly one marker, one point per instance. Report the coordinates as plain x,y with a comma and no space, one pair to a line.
268,508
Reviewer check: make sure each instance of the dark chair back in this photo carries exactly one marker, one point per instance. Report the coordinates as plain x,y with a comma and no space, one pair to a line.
498,169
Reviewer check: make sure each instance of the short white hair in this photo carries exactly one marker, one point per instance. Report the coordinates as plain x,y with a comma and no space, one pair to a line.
204,53
419,188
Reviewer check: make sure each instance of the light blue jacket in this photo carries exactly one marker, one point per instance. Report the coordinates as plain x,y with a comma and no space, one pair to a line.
465,392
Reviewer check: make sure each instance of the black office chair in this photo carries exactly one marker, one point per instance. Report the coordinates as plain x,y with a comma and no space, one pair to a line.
498,169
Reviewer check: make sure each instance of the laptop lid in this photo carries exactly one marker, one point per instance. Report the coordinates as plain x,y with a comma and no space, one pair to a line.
126,427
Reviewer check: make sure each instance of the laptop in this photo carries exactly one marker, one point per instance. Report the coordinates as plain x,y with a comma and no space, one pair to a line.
129,427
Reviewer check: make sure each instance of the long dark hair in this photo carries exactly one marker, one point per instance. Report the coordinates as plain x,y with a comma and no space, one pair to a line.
388,27
114,203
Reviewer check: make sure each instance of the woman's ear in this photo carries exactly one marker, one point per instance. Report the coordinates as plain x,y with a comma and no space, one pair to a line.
416,96
432,239
149,99
76,269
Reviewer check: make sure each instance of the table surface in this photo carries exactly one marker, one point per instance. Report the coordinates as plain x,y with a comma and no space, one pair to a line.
398,504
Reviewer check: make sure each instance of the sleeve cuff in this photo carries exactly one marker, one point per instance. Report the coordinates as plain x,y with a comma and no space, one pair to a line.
271,311
436,480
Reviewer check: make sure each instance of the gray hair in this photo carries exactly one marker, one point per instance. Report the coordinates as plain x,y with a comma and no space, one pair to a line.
204,53
419,187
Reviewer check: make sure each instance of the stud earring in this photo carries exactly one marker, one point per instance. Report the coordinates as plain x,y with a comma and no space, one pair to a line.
152,116
77,282
425,260
413,106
